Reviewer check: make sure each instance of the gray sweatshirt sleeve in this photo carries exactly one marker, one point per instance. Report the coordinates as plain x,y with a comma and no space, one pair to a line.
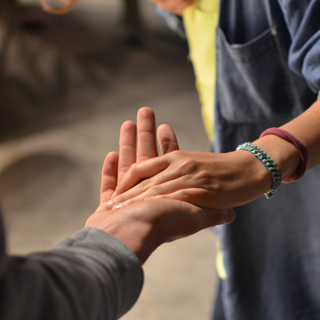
90,276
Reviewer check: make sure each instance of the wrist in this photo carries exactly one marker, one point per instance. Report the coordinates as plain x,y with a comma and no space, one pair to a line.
253,174
283,152
135,234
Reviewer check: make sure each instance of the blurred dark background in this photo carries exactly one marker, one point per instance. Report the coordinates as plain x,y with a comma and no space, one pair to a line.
49,63
66,85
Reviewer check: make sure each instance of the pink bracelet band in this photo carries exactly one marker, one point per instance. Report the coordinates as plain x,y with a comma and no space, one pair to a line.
300,147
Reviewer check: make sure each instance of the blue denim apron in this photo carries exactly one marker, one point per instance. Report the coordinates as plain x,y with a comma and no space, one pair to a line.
272,250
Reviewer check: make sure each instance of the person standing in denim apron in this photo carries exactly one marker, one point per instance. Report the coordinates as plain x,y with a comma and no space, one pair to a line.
267,75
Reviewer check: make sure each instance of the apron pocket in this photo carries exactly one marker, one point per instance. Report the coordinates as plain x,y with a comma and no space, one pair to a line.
253,81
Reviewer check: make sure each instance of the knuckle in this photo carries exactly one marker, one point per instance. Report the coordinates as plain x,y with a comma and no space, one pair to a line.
175,155
120,198
203,175
185,195
124,168
187,166
215,192
155,190
201,178
144,185
133,166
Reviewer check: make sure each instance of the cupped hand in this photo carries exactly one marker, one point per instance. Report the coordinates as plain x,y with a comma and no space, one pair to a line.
208,180
174,6
146,225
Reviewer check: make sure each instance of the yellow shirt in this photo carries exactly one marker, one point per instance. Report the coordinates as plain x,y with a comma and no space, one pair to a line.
200,22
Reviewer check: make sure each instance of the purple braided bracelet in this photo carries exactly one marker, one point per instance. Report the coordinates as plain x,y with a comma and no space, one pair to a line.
301,169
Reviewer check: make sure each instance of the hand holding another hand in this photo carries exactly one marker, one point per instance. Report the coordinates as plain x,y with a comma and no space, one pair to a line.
208,180
143,226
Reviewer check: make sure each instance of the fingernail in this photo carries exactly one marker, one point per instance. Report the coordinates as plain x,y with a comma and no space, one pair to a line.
109,205
118,206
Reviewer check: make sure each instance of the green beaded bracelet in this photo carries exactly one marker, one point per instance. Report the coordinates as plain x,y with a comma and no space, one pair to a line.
268,162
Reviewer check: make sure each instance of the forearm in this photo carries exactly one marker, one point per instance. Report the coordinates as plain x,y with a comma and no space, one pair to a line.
306,128
90,276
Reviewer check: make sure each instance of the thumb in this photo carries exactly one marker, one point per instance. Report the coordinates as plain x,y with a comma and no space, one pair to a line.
211,218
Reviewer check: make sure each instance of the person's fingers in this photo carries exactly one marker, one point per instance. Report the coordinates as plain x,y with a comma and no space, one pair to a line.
199,197
150,174
177,189
191,219
141,171
171,219
108,177
167,139
146,225
143,180
184,219
147,146
211,218
127,148
146,128
167,185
